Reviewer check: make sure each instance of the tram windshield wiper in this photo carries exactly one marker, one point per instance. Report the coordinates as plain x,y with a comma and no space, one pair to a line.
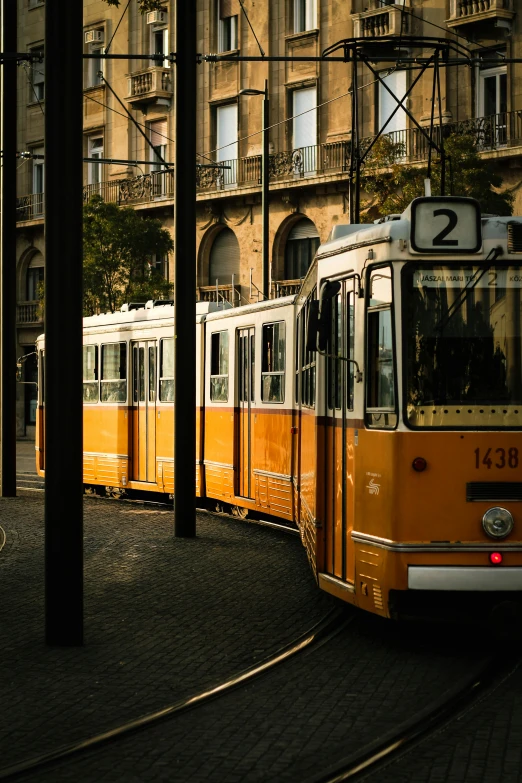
470,285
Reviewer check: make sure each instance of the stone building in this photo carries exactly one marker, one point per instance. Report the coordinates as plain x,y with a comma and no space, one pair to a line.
309,135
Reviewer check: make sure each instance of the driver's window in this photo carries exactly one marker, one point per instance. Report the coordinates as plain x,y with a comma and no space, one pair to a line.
380,389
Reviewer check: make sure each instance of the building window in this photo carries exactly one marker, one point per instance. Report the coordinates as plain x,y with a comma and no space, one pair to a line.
300,249
492,103
159,265
94,65
224,259
160,45
304,137
396,82
157,154
94,170
273,362
227,25
219,367
34,279
38,180
35,3
37,77
305,15
226,142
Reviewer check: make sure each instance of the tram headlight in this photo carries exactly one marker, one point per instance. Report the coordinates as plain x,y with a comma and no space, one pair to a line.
497,522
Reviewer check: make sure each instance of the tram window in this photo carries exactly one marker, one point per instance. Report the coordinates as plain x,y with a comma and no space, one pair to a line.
114,372
152,373
167,370
298,339
334,367
380,392
273,362
307,365
219,367
90,373
350,309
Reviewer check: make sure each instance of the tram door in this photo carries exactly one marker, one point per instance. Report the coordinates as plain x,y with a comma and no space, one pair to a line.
144,411
340,436
245,374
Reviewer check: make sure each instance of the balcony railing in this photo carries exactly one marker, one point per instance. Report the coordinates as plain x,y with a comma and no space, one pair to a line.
28,313
285,288
482,11
496,132
220,293
30,207
380,21
147,85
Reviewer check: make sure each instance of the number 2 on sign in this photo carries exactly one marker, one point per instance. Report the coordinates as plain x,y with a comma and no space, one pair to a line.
499,458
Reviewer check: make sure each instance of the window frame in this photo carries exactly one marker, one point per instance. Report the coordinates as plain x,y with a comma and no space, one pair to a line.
219,375
308,369
37,85
162,377
308,12
391,411
223,36
114,380
269,374
96,373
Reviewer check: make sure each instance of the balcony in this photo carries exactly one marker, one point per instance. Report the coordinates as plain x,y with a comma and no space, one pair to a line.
498,132
220,293
30,207
481,14
380,21
29,313
285,288
152,85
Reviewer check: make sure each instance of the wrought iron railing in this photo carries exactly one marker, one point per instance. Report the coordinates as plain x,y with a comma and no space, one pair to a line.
498,131
29,313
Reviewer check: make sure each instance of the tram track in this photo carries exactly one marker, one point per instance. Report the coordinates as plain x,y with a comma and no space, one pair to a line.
431,720
331,625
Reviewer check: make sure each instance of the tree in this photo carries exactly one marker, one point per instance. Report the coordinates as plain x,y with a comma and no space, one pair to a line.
117,248
143,5
392,185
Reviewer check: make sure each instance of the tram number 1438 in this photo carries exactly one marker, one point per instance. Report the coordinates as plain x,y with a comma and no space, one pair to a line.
498,458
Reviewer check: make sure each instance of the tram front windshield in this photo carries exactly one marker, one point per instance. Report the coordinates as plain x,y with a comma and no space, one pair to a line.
463,346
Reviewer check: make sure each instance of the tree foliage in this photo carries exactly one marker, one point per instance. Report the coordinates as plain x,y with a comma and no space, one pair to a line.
117,248
391,185
143,5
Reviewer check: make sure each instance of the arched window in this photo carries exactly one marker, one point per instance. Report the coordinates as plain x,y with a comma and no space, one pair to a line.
300,249
224,258
34,276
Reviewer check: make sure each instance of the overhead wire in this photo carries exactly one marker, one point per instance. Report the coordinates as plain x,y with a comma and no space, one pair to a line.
253,31
107,48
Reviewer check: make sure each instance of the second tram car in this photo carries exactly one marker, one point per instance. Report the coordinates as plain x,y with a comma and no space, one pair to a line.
380,409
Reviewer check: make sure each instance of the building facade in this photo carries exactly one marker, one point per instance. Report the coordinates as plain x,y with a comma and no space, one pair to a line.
310,120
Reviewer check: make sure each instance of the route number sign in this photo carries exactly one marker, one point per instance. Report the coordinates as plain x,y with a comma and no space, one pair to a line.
441,225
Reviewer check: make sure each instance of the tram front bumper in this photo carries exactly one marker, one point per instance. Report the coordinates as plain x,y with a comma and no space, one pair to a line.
465,578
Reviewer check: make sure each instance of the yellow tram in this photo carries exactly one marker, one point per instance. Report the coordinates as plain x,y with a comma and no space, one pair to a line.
380,409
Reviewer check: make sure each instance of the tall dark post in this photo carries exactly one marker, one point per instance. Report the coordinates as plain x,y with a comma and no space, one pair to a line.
8,231
63,323
185,273
265,194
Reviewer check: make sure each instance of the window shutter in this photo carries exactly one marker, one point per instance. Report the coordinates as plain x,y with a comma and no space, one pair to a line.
228,8
158,133
224,258
305,229
36,261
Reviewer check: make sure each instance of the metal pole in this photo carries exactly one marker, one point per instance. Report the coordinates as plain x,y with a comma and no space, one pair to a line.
63,323
265,194
8,230
185,273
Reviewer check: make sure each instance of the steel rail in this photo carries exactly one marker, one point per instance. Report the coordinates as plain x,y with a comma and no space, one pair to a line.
385,750
334,622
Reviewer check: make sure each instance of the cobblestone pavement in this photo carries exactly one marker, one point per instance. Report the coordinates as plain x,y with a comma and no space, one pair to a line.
167,617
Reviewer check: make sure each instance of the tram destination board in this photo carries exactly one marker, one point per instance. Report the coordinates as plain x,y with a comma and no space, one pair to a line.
445,225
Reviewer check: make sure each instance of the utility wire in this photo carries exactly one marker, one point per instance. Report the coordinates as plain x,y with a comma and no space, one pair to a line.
253,31
137,124
116,30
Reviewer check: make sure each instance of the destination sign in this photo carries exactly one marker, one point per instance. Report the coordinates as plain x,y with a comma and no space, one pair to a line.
445,225
473,278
